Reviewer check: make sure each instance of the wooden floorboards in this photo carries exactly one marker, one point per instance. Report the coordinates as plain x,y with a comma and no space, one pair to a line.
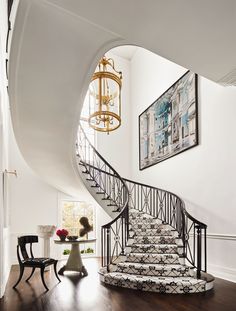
88,294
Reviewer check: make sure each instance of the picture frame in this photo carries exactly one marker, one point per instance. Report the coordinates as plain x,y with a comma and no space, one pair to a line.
169,125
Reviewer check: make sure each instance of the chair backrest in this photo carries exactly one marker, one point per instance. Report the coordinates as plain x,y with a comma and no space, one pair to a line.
22,241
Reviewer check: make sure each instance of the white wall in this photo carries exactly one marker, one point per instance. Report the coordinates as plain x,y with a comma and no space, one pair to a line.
4,117
115,147
33,202
204,176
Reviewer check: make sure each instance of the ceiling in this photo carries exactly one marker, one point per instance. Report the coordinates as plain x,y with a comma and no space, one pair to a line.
125,51
56,45
199,35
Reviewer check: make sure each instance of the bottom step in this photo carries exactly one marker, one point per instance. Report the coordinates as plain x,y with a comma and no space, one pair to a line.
168,285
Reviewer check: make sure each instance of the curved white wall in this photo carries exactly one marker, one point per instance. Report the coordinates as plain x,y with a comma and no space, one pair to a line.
203,176
56,45
4,154
53,55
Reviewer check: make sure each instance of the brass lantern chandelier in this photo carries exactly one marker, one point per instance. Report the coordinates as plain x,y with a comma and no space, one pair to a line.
105,97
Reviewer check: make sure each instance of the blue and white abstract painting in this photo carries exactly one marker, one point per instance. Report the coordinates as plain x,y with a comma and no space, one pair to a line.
169,125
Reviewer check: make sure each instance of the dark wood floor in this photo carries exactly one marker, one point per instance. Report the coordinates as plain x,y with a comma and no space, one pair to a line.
88,294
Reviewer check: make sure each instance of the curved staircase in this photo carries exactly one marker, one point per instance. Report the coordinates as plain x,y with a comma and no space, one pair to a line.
153,260
152,243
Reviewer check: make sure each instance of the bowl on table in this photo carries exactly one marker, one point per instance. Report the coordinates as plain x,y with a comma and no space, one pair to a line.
72,237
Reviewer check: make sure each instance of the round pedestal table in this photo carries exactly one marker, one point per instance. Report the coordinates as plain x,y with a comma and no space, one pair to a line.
74,262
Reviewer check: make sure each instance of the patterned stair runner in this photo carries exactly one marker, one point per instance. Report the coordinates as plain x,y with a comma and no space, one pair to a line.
153,260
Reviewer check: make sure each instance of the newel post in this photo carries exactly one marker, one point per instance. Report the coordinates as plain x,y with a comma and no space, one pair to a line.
108,247
199,251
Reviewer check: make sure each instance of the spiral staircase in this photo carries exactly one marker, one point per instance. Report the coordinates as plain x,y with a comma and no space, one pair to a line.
152,242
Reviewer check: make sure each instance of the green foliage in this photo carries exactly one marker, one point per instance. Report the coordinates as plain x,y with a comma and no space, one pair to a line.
89,250
66,252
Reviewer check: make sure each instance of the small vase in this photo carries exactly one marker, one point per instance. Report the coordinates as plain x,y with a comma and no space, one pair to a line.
62,238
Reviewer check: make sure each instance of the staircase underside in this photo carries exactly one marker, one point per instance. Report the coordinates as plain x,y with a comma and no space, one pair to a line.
153,261
56,45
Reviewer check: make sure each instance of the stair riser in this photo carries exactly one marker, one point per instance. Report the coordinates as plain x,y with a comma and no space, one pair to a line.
154,226
154,249
153,232
158,259
152,272
153,287
138,214
154,240
147,219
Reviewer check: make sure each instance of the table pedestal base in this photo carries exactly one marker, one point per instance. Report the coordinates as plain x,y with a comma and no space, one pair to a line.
74,262
82,271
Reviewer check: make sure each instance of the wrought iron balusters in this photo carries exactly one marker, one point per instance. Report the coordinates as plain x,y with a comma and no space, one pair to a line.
108,182
126,194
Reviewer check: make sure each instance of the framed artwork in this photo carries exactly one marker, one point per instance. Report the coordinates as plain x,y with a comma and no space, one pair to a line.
170,125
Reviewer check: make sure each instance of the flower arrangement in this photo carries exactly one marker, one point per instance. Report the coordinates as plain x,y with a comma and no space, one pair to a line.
62,233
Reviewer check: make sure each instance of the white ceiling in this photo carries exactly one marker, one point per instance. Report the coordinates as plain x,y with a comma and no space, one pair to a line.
56,45
125,51
199,35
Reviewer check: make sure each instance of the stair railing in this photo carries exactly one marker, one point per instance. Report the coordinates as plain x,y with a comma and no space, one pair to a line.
170,209
112,187
159,203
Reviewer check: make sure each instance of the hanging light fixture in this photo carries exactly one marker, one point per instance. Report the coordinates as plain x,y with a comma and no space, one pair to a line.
105,97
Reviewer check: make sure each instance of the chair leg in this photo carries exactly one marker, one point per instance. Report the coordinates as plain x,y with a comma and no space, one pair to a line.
55,270
20,276
32,272
42,277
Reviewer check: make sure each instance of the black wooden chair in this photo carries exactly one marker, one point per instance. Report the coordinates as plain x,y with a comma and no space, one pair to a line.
32,262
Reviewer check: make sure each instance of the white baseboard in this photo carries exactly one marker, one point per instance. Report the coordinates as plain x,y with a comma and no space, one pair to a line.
228,274
221,236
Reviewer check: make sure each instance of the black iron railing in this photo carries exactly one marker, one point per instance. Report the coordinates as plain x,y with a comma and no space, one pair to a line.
9,6
109,184
126,194
169,208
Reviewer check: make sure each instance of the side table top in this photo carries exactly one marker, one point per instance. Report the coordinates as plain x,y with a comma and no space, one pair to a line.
75,242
